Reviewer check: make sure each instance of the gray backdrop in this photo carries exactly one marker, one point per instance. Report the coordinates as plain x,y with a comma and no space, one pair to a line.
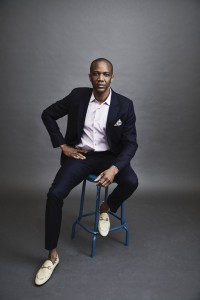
46,49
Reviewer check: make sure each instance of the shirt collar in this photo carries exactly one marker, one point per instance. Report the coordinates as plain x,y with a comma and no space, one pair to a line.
107,101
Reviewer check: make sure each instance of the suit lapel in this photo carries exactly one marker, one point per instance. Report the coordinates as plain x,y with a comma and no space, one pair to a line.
113,110
112,114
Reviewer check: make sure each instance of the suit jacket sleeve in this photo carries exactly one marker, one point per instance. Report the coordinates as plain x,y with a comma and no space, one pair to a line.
128,140
53,113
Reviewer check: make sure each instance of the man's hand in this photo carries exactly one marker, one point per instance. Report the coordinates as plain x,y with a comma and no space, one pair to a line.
107,176
73,152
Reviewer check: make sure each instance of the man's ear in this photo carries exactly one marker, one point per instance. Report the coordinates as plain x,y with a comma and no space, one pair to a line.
112,78
89,77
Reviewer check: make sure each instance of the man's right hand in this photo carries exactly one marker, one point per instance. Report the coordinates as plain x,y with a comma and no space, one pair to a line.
73,152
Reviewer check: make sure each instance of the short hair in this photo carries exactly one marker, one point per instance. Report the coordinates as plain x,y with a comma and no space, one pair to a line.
100,59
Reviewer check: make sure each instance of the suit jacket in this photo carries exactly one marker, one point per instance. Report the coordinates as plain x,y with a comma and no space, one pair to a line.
120,127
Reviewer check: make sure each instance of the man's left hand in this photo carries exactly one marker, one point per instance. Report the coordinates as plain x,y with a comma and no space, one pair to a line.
107,177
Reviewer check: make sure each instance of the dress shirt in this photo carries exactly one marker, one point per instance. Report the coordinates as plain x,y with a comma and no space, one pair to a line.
94,131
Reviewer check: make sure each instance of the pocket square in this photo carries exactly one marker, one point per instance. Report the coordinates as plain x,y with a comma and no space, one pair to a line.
118,123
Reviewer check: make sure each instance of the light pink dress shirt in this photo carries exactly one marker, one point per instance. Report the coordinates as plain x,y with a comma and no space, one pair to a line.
94,131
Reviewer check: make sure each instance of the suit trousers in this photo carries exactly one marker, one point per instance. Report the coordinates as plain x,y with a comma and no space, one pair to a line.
71,173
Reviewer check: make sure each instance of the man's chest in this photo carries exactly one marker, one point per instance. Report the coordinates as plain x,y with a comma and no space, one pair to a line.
96,116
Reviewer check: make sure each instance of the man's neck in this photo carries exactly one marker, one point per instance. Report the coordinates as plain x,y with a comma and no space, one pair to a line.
101,97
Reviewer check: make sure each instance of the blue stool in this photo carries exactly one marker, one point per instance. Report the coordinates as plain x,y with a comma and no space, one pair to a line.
95,231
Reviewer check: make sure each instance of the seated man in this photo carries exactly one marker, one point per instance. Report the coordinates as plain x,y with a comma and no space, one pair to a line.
100,139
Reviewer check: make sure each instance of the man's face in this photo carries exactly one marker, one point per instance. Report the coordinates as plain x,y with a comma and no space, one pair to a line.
101,76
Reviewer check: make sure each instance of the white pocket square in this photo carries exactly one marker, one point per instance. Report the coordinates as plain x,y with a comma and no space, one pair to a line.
118,123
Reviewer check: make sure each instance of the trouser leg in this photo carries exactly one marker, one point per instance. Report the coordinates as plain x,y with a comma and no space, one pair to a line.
127,183
126,179
71,173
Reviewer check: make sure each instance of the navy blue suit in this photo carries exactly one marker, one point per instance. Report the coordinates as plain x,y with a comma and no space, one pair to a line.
121,140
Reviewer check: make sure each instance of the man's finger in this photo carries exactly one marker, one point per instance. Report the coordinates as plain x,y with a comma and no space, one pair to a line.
81,156
98,178
105,182
82,150
75,156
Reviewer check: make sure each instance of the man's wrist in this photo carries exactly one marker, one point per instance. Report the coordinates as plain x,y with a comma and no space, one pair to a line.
116,170
62,146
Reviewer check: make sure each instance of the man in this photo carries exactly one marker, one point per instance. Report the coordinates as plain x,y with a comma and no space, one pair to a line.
100,139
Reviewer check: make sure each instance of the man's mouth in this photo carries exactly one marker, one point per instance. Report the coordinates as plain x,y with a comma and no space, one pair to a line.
100,85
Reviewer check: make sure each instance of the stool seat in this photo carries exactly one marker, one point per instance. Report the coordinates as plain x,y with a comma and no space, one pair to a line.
81,216
91,177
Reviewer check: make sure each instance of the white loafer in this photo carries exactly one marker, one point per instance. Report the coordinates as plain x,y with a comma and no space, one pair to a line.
104,224
45,271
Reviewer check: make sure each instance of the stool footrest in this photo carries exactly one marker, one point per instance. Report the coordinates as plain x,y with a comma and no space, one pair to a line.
97,232
114,215
87,215
86,228
117,227
93,213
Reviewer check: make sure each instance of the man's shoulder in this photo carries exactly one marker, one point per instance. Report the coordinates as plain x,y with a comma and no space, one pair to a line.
81,91
122,98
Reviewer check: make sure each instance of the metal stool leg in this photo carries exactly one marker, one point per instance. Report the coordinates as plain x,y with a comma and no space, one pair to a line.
124,225
98,195
73,230
80,210
93,245
82,200
127,236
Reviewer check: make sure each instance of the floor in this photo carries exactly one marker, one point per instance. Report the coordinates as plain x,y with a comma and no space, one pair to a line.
162,261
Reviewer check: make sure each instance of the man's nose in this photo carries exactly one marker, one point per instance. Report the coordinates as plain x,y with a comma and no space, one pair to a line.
100,78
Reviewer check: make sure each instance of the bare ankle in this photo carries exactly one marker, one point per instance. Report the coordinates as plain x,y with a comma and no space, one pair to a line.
104,207
53,255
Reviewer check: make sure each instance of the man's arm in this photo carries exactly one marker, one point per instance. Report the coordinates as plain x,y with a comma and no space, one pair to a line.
49,117
128,141
53,113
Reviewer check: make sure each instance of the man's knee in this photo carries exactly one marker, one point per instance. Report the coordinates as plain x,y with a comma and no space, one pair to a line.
132,182
57,194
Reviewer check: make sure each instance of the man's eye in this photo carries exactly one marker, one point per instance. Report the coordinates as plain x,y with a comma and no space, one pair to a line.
106,74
